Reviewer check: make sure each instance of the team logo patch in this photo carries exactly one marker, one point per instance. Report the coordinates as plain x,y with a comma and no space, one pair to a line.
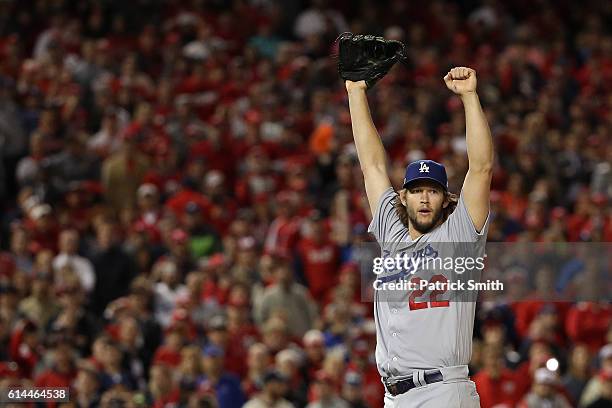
424,168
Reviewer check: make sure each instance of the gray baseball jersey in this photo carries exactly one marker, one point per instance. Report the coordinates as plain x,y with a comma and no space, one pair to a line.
420,330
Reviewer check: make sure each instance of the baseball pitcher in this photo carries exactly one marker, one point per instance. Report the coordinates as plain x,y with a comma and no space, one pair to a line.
424,339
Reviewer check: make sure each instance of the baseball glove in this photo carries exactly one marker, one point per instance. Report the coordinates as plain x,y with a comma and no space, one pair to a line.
366,57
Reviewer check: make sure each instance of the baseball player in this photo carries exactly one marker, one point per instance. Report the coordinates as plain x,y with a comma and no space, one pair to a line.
424,341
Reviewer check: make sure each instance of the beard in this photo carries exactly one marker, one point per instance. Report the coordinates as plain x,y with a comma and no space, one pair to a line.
424,227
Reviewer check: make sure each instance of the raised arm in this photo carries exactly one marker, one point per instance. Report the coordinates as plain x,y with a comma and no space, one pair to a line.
477,184
370,150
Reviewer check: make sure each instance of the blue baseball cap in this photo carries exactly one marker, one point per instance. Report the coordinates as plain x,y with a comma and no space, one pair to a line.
426,170
212,350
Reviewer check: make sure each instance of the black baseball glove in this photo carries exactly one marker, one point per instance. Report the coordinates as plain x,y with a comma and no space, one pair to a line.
366,57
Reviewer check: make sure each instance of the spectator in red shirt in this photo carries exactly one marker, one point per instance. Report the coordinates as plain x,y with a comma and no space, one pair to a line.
588,323
62,371
497,385
319,257
43,229
161,390
284,230
544,293
165,174
169,353
242,332
25,347
257,179
538,354
583,209
513,198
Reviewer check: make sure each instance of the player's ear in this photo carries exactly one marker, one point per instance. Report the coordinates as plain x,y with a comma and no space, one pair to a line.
446,201
402,196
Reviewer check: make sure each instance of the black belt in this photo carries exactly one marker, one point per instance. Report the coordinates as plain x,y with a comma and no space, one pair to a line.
406,385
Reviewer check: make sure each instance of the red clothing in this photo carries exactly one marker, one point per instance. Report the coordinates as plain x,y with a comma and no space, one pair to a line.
7,264
250,388
312,368
164,182
373,390
40,240
240,340
527,310
235,359
217,156
25,357
515,206
169,400
587,323
178,202
52,378
575,224
253,185
148,222
505,391
222,214
320,261
212,291
282,235
167,356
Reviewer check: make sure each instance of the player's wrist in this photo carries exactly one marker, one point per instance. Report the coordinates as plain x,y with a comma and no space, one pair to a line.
470,96
355,86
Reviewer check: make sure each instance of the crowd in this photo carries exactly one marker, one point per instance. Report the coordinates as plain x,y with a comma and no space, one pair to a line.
183,214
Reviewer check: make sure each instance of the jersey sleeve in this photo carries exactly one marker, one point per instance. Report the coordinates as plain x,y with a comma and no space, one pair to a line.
386,225
460,226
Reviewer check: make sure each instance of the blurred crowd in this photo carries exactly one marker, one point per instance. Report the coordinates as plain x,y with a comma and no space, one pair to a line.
183,213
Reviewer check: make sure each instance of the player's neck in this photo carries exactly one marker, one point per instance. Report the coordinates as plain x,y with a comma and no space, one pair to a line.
414,234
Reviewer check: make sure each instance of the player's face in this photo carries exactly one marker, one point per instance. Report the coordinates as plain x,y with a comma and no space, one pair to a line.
424,201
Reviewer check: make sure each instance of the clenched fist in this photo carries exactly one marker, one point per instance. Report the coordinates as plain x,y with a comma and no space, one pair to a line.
461,80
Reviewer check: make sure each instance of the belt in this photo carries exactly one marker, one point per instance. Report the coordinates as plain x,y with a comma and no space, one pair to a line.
406,385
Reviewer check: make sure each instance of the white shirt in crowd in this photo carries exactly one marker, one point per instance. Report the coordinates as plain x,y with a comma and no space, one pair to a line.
82,267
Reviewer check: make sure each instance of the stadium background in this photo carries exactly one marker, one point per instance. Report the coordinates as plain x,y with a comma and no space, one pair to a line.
181,201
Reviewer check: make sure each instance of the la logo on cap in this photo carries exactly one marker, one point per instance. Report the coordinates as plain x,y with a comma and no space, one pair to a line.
424,168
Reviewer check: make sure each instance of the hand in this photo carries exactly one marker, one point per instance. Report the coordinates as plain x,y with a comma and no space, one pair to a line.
350,85
461,80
